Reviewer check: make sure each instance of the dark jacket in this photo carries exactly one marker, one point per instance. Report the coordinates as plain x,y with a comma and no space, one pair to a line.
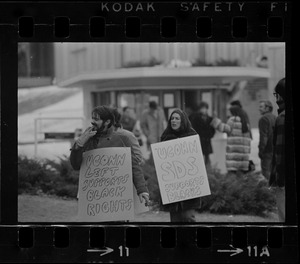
187,204
128,122
113,138
277,177
266,126
201,124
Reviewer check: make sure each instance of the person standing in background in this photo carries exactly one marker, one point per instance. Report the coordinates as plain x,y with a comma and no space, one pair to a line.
153,123
238,103
238,139
127,120
120,130
200,121
266,126
277,176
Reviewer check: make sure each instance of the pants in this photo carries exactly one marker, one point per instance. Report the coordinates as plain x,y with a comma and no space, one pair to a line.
280,201
183,216
265,164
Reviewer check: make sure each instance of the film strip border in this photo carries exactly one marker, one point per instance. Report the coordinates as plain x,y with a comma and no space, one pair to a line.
139,21
149,244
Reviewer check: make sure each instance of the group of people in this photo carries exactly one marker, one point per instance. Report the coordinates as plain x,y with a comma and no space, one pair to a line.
111,129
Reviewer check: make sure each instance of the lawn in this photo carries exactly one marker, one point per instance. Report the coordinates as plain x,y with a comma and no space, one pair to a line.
35,208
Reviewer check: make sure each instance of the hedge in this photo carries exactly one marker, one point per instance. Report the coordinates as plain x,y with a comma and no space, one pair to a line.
47,176
230,193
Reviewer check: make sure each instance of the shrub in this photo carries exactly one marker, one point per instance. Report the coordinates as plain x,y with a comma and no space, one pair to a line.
64,168
33,176
230,193
67,190
47,176
238,194
145,63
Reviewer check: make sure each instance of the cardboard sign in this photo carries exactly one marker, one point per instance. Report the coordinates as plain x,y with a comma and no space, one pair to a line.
106,185
180,169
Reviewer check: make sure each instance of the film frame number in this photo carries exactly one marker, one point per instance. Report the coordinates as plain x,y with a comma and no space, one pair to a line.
253,251
126,251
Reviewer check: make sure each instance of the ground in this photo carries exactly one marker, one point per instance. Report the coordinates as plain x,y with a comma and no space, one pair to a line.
42,208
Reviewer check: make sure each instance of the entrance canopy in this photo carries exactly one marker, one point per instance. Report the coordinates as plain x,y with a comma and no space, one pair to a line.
160,77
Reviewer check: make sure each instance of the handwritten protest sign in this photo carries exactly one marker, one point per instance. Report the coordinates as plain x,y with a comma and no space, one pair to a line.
106,186
180,169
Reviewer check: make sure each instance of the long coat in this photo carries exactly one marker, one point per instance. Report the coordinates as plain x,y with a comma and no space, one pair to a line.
277,177
187,204
266,126
201,123
238,143
153,126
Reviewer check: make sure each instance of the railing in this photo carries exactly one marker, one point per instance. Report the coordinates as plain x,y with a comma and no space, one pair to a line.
52,135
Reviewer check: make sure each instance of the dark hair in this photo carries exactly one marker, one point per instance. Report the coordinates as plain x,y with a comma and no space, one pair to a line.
202,104
280,88
105,113
236,103
185,126
153,105
237,111
117,117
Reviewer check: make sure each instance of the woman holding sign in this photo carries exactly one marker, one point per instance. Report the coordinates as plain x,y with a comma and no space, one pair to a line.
179,126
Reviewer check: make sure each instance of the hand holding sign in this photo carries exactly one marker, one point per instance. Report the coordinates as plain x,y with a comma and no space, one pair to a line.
144,197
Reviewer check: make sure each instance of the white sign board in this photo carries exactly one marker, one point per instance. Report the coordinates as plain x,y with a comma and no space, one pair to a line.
180,169
106,186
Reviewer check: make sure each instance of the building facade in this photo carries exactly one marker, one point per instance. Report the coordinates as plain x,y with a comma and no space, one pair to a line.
35,64
173,74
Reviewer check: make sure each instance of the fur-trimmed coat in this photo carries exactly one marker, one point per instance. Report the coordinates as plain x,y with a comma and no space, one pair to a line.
238,144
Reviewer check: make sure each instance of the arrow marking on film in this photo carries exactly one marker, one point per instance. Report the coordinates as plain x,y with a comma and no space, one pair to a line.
234,250
105,251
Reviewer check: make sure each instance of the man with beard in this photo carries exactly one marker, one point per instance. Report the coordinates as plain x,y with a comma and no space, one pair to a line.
103,134
277,177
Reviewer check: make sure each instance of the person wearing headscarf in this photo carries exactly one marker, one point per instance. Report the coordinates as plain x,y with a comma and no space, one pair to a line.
179,126
238,103
238,139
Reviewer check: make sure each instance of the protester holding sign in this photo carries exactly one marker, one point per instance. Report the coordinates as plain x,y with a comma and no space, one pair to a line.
179,126
104,134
